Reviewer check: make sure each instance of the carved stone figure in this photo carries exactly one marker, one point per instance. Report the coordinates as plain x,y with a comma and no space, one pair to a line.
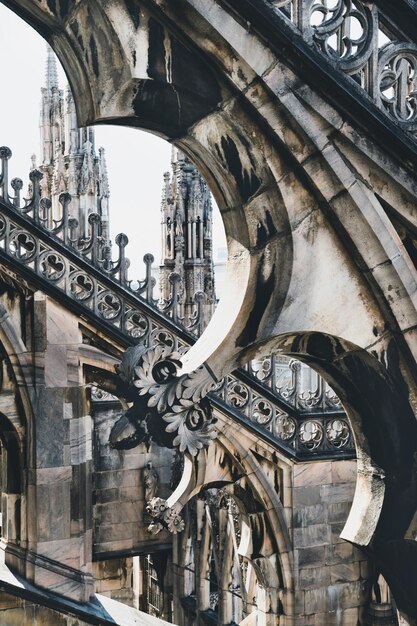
151,480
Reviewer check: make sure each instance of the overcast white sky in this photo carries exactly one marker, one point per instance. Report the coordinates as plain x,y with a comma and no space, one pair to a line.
136,160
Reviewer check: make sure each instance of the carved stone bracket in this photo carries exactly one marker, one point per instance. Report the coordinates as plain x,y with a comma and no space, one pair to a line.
167,408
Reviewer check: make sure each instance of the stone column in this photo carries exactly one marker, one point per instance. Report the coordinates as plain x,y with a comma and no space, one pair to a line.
60,484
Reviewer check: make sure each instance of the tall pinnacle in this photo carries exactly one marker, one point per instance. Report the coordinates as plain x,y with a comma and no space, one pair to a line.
51,69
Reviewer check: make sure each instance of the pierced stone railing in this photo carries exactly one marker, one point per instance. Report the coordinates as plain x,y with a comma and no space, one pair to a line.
358,39
301,433
296,383
93,248
271,396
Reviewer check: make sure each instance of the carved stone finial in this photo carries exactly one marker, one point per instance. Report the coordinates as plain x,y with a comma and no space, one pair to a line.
5,152
17,184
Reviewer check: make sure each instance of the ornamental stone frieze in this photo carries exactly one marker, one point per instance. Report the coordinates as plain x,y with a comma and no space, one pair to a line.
360,40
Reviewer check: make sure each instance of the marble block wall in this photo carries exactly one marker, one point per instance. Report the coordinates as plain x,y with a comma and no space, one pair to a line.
120,527
59,478
19,612
331,575
51,542
115,578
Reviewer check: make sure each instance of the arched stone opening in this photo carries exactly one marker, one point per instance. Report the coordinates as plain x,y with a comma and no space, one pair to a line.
233,559
225,584
376,399
13,461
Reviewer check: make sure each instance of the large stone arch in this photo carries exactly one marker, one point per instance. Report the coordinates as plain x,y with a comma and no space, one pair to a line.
270,158
296,185
266,542
375,397
280,550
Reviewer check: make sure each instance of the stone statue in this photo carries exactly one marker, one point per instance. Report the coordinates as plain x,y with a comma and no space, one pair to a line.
151,480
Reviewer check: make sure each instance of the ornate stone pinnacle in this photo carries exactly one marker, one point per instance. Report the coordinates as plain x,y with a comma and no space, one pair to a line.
51,70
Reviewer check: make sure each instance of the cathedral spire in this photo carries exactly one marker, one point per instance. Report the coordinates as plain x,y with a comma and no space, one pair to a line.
51,70
186,217
68,158
51,123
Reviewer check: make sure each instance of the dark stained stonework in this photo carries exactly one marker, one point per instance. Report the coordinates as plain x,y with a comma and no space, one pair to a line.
263,294
167,108
133,9
157,64
247,182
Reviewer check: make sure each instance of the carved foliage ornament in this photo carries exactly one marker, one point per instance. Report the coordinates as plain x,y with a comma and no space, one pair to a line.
169,409
164,516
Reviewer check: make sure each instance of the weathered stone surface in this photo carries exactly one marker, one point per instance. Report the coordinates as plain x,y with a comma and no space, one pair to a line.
344,472
54,511
207,77
311,556
114,579
347,617
339,553
312,535
306,496
330,571
344,572
51,427
318,473
314,514
338,511
337,493
311,577
319,600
